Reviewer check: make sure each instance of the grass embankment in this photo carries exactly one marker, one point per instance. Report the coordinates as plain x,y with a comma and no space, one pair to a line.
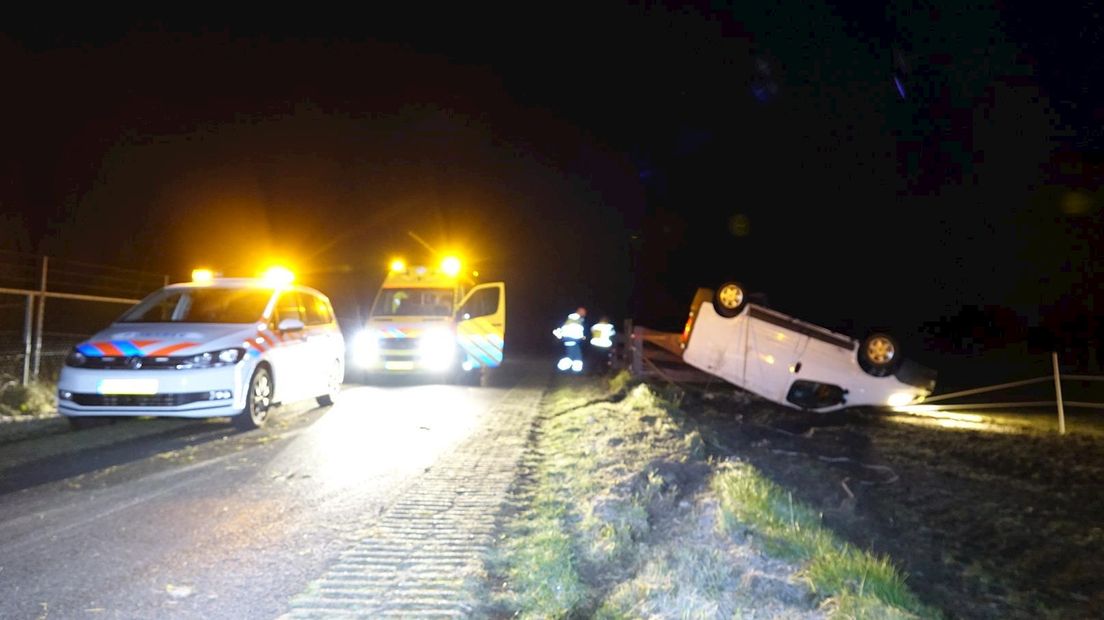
624,514
22,401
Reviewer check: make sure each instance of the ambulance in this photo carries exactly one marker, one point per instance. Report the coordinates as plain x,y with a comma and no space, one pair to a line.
434,321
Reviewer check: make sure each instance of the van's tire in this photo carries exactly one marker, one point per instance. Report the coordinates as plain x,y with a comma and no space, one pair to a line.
258,401
879,354
729,299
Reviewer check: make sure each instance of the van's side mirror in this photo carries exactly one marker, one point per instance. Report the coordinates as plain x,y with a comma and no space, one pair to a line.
290,325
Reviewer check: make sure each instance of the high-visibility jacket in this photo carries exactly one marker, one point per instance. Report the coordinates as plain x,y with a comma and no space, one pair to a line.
571,330
601,335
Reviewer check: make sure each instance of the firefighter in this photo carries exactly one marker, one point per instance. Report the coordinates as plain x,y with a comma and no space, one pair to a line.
573,335
601,334
601,345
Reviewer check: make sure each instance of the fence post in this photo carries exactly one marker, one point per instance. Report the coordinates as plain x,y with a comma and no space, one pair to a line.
41,317
638,351
166,279
1058,394
624,349
28,340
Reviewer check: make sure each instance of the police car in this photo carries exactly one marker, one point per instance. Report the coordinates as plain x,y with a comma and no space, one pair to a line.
213,347
794,363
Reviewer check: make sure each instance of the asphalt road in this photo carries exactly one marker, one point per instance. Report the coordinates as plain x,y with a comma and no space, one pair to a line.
184,519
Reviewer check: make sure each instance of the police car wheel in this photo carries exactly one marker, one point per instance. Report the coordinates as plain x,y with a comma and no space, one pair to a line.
333,387
257,401
729,299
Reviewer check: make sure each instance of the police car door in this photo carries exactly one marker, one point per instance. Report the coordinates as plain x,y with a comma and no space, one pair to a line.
290,358
481,325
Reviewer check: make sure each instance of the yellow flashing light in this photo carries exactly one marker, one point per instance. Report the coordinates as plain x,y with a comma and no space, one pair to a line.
278,276
398,265
202,275
451,266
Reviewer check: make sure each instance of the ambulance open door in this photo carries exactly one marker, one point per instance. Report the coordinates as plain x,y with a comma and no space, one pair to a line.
481,325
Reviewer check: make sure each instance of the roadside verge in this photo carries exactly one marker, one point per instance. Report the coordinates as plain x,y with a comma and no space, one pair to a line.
621,511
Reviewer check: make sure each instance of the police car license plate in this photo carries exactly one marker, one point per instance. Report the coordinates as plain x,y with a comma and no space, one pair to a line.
398,365
127,386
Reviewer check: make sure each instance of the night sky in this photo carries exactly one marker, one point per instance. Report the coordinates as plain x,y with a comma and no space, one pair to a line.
894,165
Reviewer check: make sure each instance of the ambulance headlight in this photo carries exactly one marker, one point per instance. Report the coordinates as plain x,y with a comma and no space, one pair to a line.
366,348
212,359
437,348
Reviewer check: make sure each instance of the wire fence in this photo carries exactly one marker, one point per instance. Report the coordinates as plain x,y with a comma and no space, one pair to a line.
48,305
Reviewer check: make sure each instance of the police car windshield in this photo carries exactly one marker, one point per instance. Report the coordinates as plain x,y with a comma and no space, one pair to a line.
414,302
200,305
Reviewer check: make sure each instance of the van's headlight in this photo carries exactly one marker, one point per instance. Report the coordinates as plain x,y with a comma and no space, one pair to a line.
900,399
437,349
366,348
75,359
212,359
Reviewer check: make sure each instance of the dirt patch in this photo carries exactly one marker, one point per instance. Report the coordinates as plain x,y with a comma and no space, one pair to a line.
985,525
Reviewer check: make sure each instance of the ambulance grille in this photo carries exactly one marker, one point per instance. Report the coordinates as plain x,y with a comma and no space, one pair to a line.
398,344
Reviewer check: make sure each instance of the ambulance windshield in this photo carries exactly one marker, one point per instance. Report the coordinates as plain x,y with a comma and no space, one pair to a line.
414,302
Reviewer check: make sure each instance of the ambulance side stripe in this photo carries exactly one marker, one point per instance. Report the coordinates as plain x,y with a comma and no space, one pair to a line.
478,341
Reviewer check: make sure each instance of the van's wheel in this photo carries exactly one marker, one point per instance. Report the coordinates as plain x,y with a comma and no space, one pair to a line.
257,401
879,354
729,299
333,386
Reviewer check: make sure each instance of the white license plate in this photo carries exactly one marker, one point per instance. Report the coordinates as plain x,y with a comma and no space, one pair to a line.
127,386
398,365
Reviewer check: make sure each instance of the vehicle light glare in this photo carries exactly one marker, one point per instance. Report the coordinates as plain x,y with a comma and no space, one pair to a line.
365,348
451,266
437,349
900,399
398,265
278,276
202,275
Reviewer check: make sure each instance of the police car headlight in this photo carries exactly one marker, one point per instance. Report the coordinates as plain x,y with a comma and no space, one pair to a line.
75,359
365,348
437,349
212,359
